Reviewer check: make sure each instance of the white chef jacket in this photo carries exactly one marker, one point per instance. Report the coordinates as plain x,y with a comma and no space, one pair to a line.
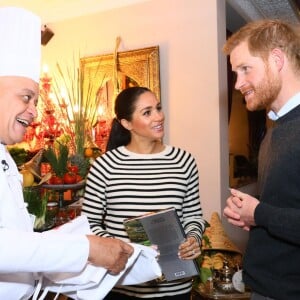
23,252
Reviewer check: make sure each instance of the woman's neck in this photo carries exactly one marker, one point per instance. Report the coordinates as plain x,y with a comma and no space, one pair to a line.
146,148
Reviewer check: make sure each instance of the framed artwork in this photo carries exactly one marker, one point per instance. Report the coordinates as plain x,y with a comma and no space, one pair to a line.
108,74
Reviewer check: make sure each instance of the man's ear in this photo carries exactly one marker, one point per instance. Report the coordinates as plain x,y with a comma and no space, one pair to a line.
126,124
278,57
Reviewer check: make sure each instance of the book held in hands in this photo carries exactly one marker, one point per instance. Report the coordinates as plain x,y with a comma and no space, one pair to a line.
163,229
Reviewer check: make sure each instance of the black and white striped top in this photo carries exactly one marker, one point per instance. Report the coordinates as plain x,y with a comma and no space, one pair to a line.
122,184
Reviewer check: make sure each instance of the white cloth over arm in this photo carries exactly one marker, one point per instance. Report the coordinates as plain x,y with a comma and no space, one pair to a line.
95,282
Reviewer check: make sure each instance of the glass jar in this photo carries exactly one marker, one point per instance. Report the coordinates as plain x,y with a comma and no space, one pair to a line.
52,211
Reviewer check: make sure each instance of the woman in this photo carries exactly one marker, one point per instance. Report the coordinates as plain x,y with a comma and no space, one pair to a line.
140,174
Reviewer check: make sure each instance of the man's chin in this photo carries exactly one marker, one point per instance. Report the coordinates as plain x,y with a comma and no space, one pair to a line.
251,107
254,106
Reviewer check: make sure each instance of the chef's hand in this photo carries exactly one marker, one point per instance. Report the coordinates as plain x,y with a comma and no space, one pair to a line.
111,254
189,249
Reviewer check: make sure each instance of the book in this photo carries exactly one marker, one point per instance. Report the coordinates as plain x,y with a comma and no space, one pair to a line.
164,229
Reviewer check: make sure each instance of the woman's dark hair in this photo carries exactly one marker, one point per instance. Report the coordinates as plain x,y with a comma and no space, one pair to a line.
124,108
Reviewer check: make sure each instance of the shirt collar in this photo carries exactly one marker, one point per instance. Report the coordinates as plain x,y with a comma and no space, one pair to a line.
291,104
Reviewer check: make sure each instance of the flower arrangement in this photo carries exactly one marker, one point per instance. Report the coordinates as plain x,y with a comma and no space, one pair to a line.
78,103
74,103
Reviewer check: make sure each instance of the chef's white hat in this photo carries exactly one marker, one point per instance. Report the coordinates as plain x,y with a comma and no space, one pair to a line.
20,36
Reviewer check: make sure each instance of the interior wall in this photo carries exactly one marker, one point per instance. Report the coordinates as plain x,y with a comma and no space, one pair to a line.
238,126
193,77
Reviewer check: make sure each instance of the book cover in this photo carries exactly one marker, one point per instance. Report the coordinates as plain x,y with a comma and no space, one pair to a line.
136,231
164,229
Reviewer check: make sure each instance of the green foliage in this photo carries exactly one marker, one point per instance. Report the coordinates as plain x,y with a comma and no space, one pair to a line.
205,239
37,205
18,154
82,162
205,273
58,158
33,199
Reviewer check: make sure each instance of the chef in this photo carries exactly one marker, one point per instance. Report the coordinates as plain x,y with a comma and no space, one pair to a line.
23,253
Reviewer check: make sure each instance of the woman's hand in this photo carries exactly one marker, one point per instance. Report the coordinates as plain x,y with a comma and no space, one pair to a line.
189,249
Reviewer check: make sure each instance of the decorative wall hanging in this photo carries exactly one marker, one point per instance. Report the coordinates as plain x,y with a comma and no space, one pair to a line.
133,68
